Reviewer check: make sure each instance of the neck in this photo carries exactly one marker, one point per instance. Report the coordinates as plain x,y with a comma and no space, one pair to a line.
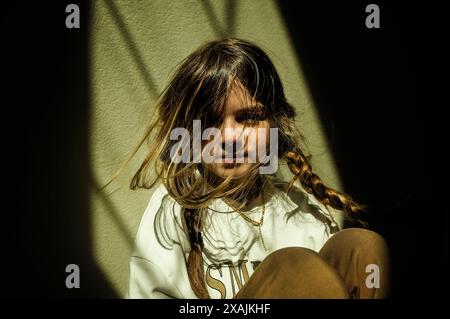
248,200
243,199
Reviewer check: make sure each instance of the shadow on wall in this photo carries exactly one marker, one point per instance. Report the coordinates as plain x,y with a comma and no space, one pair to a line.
229,14
147,78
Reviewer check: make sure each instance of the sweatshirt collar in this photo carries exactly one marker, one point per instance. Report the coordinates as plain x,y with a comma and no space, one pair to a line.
283,199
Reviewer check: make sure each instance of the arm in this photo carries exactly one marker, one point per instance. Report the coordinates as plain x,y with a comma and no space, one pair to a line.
157,266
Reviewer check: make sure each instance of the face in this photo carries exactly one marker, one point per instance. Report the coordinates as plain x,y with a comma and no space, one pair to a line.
244,130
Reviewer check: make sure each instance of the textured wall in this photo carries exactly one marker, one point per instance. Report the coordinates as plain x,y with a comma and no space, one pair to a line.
134,46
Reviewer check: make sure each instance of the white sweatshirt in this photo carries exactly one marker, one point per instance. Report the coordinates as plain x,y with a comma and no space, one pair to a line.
232,247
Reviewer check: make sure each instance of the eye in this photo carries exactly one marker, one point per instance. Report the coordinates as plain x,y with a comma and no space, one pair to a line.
250,118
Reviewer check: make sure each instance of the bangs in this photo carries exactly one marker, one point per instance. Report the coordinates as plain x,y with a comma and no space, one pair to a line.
207,77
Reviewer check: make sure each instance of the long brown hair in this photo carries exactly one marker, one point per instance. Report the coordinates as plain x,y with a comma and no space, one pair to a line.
199,87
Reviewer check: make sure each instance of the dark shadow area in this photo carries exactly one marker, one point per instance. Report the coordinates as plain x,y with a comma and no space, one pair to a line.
47,216
380,94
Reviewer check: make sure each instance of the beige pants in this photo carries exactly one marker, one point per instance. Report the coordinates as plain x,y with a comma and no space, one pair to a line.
354,263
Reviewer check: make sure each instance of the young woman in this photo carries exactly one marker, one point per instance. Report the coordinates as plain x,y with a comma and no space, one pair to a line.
220,224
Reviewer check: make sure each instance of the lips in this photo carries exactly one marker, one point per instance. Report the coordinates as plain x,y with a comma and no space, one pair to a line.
230,165
233,160
230,160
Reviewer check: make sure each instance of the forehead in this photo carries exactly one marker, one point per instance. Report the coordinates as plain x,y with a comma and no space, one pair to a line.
239,98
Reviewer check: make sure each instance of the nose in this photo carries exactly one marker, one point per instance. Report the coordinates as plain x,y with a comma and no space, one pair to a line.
232,136
229,122
232,146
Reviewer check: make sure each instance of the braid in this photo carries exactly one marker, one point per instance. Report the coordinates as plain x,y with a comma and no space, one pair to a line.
301,168
195,259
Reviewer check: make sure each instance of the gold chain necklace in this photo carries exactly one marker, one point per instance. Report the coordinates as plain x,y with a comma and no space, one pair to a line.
256,223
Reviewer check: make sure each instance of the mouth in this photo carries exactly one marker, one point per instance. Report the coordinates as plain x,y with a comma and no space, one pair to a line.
231,165
233,158
228,160
231,161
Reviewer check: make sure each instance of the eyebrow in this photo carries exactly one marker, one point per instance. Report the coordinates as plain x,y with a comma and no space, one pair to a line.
258,109
251,109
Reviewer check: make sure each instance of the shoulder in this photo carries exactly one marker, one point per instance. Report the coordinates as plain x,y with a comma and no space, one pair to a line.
156,264
161,201
161,224
295,198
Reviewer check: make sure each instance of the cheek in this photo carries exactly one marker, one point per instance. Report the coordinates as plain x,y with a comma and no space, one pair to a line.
262,136
211,147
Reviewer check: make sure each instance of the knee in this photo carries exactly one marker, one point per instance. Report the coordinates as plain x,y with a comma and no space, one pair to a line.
359,248
361,238
357,242
294,259
298,257
303,267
